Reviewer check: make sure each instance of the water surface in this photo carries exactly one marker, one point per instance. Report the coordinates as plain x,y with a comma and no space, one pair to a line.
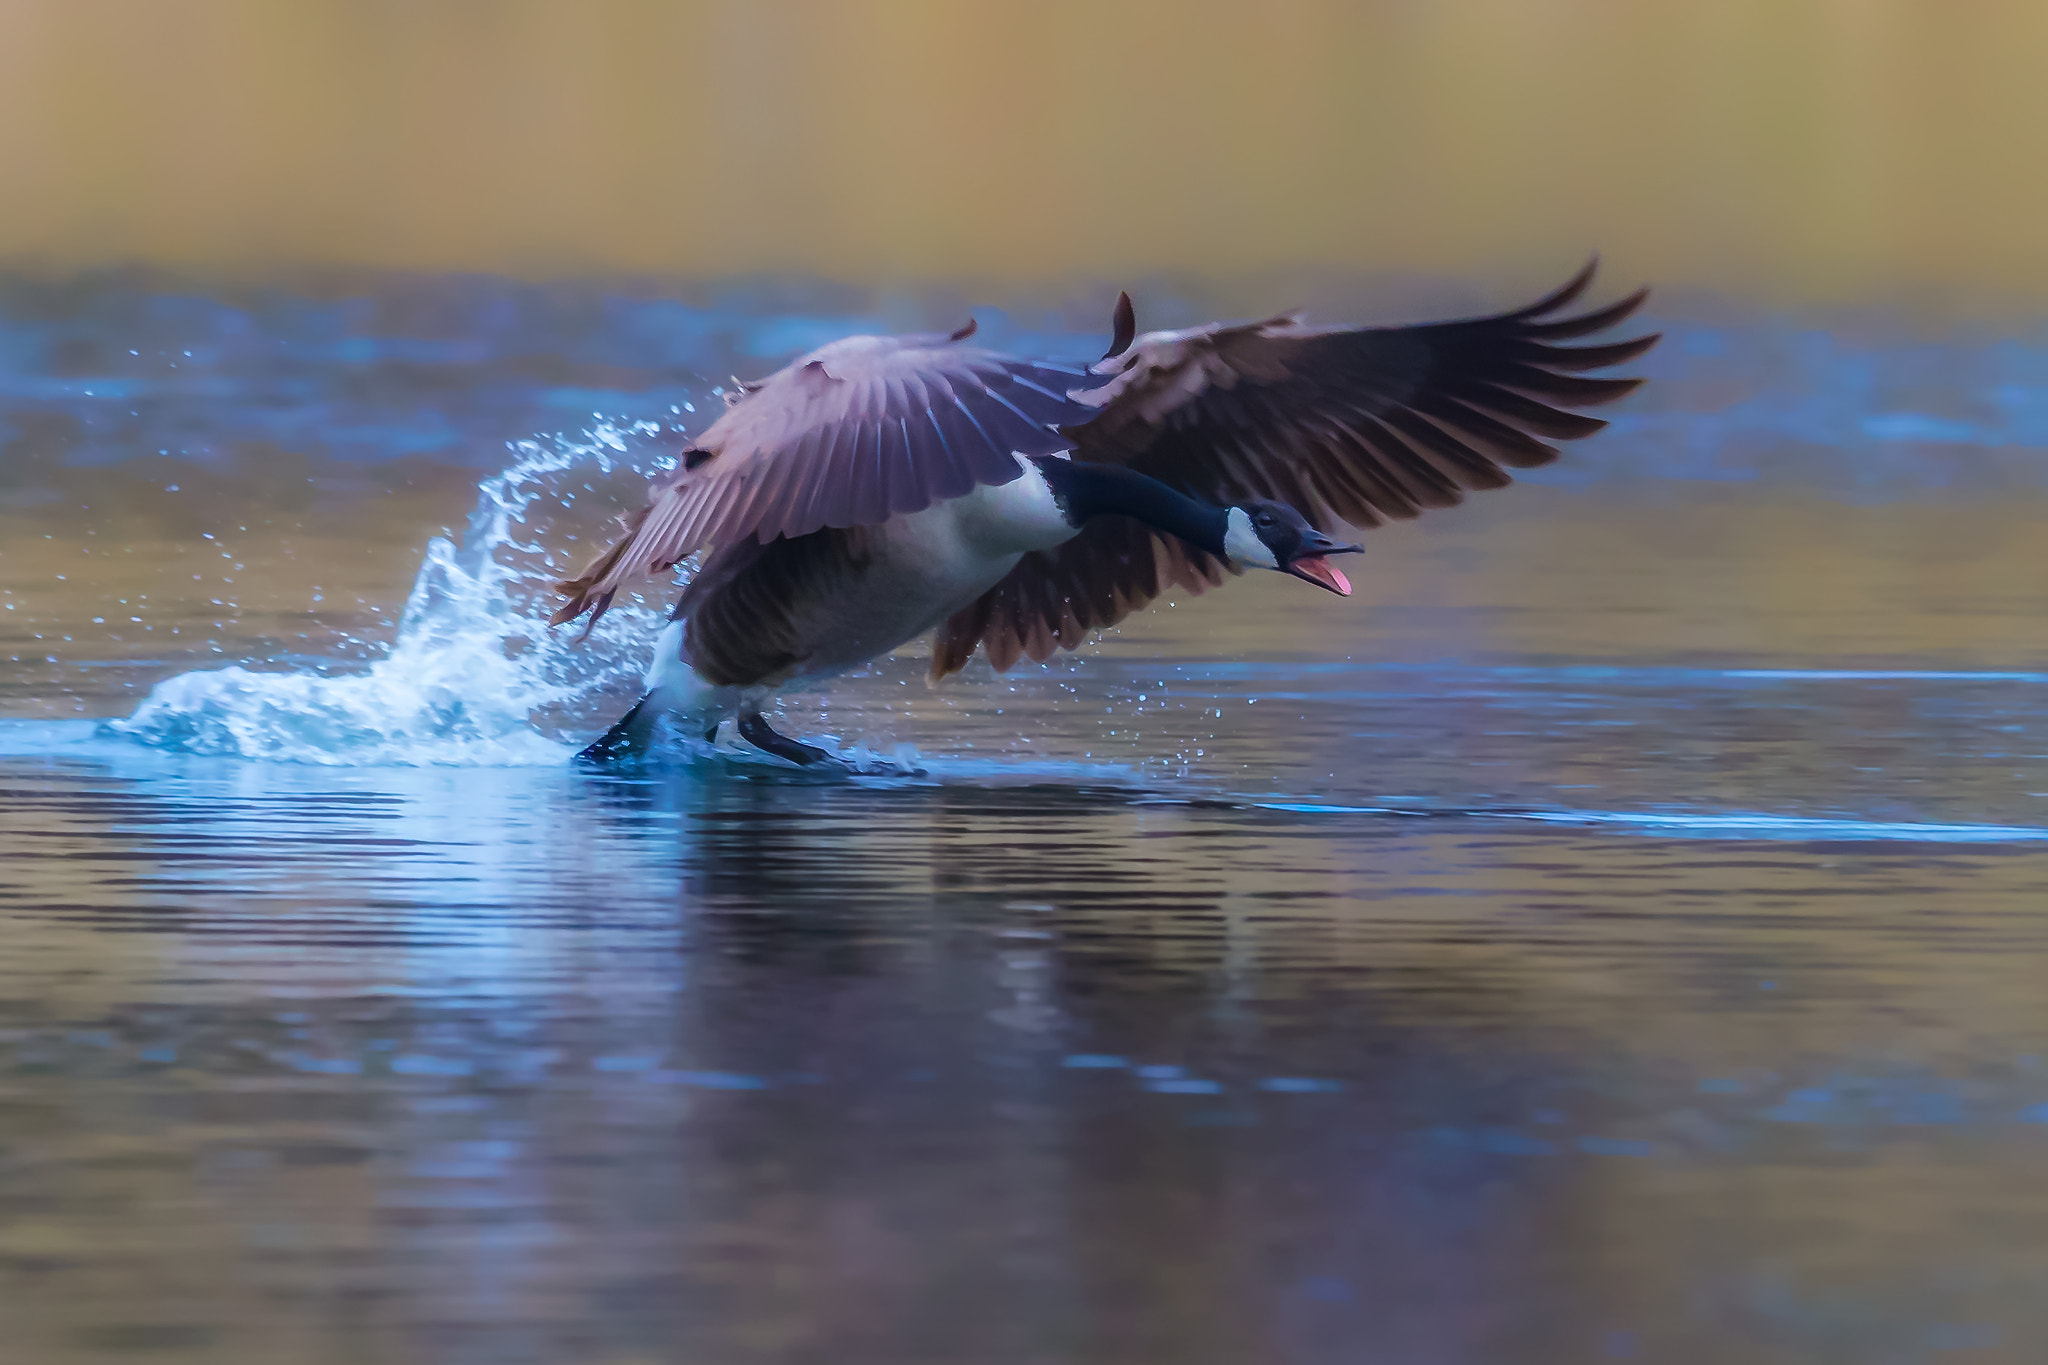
1614,934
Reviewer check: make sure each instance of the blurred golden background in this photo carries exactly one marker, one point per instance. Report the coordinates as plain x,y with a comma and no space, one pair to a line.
1803,151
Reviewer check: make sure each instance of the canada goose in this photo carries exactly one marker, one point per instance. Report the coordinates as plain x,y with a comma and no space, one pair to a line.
882,487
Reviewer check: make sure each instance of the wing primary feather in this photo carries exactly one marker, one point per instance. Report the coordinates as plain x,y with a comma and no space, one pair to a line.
1558,388
1374,477
1587,323
602,604
1432,442
1574,358
1560,296
1426,483
1527,414
1429,479
1345,495
1509,445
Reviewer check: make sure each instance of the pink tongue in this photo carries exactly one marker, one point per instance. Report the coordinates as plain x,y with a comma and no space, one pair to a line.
1325,573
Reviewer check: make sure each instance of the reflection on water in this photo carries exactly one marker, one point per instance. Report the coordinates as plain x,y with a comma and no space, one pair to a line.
464,1064
1615,934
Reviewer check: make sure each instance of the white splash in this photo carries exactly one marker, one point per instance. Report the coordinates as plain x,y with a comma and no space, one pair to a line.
474,676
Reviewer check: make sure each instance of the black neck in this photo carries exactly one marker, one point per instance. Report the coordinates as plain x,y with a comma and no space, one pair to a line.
1092,490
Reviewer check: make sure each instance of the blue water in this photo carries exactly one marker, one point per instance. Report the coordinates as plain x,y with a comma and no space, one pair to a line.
1616,933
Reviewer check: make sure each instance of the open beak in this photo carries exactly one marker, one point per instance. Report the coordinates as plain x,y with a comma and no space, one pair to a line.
1314,567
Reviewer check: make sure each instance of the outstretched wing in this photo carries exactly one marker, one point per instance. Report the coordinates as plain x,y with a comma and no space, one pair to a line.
1345,424
849,435
1357,424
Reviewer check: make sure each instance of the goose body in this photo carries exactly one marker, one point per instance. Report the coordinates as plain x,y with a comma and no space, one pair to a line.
882,488
862,592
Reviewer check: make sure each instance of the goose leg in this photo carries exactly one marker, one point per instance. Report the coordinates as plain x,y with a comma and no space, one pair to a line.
755,730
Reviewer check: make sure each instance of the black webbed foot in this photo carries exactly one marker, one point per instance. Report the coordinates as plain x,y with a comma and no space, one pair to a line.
624,741
755,730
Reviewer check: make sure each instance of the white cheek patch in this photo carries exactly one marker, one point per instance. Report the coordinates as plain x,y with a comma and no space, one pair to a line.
1242,543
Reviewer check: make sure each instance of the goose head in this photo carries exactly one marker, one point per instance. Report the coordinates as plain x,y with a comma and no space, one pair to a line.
1272,535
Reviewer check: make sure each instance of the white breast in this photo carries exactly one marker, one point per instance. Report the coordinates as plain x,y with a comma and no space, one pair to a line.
966,544
1008,519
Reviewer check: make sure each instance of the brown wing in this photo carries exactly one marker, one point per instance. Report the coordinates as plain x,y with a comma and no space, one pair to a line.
1344,424
1357,424
850,435
1053,598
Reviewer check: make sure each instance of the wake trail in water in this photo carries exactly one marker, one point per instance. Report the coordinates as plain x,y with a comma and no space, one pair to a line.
1705,825
474,671
1118,784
